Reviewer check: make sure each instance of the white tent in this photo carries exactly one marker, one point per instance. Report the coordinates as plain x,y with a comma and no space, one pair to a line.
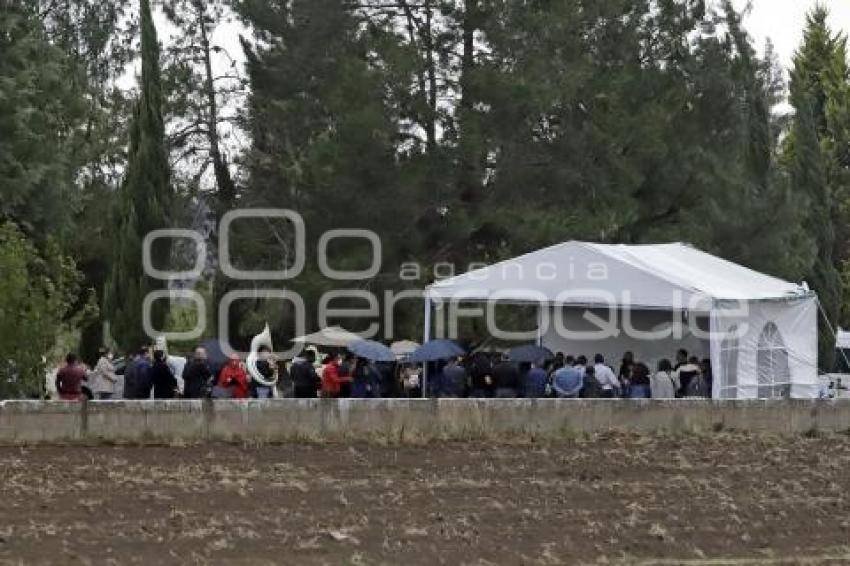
842,339
760,332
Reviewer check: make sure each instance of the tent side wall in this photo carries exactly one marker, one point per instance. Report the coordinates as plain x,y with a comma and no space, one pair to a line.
765,349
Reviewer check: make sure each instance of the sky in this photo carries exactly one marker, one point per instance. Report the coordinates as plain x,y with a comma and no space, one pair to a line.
783,20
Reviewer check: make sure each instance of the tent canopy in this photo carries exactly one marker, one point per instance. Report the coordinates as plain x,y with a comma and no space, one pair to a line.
658,276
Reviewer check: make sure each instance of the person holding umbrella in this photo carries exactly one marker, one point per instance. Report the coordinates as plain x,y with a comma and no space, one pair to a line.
346,374
453,382
331,381
480,373
368,378
435,351
507,380
536,381
366,384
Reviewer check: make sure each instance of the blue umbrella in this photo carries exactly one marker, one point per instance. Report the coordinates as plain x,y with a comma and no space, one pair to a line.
371,350
531,353
436,350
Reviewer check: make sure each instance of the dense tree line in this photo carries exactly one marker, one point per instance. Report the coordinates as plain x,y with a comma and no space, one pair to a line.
460,131
497,127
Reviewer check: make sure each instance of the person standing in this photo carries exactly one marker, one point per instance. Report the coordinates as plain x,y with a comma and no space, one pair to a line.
104,377
591,388
69,379
581,364
681,358
330,376
137,379
367,380
453,384
559,362
605,376
639,386
306,382
267,369
697,385
664,384
346,374
506,379
388,386
707,377
685,374
130,376
534,386
197,375
234,379
162,378
409,376
567,382
480,371
625,374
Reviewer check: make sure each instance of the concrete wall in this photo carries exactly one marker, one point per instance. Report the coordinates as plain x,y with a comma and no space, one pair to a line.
25,422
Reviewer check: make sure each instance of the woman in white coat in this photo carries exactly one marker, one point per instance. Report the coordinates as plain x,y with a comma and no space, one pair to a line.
104,381
665,382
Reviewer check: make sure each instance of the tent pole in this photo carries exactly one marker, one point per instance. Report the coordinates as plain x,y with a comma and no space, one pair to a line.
426,338
540,324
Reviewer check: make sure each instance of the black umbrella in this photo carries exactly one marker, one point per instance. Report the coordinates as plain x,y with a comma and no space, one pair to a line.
530,353
216,357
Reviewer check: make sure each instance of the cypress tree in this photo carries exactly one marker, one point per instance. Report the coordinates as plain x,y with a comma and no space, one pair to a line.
808,177
811,156
143,205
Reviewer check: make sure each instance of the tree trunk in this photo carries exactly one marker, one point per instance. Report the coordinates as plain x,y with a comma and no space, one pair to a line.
469,174
226,190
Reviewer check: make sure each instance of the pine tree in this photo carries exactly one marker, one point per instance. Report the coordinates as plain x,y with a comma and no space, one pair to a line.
808,177
40,115
324,126
145,198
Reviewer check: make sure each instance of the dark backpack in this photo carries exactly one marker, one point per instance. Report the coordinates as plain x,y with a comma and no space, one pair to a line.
685,380
696,387
303,375
592,389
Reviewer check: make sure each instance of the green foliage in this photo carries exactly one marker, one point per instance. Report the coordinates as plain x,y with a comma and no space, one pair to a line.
40,114
459,132
145,199
817,155
480,132
325,143
37,294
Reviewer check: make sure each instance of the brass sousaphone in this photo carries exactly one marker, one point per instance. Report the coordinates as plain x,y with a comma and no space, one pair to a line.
264,338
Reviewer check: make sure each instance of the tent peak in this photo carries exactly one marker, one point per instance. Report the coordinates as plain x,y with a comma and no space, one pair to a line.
660,275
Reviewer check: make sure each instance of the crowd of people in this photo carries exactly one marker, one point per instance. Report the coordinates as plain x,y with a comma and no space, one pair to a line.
148,374
567,376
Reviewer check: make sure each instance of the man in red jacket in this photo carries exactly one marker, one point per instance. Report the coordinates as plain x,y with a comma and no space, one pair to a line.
234,377
69,380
